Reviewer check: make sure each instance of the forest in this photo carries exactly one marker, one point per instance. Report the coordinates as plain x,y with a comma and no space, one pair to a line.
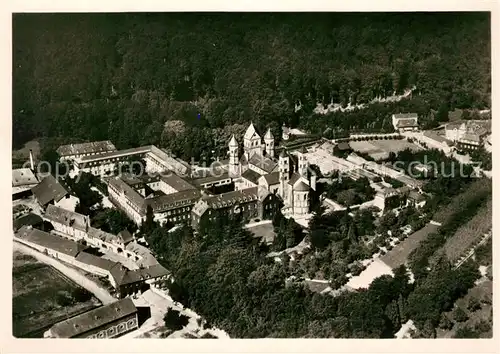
84,77
224,275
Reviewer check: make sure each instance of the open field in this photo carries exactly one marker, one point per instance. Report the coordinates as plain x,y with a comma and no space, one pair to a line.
41,296
380,149
470,233
399,254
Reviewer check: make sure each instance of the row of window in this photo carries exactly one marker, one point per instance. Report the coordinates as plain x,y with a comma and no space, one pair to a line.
115,330
182,217
178,211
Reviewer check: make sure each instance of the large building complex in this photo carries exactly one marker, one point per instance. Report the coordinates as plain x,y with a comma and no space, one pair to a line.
468,135
289,176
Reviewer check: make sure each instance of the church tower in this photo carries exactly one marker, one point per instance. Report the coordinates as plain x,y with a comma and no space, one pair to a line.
233,158
302,163
284,172
285,132
269,141
252,142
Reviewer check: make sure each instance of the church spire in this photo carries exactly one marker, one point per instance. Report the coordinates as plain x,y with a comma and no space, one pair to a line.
233,142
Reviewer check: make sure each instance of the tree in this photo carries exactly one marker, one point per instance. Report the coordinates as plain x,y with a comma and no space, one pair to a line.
459,315
466,332
174,320
50,159
81,295
445,323
442,113
62,299
149,222
473,304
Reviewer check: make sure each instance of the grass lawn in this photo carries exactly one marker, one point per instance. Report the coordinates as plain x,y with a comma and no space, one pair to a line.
265,232
41,296
380,149
399,254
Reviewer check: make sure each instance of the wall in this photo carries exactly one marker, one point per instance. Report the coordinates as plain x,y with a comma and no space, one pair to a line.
68,230
174,215
124,204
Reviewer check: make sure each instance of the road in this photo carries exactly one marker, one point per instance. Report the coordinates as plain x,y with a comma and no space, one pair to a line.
103,295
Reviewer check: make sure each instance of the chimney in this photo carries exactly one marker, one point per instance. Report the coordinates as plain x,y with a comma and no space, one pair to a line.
32,164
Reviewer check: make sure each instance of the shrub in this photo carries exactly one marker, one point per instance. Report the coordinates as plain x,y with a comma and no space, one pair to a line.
175,320
62,299
473,305
466,332
81,295
459,315
445,323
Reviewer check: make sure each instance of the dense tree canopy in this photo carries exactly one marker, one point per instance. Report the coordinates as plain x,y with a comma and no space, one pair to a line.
122,76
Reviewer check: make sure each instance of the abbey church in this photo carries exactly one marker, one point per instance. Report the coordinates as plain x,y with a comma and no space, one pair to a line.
287,175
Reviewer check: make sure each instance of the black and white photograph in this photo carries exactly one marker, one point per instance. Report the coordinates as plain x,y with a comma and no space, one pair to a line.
248,175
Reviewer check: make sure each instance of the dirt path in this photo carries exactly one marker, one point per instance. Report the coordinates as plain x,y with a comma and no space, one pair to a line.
103,295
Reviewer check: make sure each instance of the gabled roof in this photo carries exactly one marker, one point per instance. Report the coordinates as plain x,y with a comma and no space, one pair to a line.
95,261
177,182
22,177
50,241
263,162
29,219
66,217
134,197
407,122
272,178
406,115
294,178
251,175
154,271
471,137
200,207
118,272
251,132
49,189
125,236
174,200
93,319
102,235
86,148
228,199
455,125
